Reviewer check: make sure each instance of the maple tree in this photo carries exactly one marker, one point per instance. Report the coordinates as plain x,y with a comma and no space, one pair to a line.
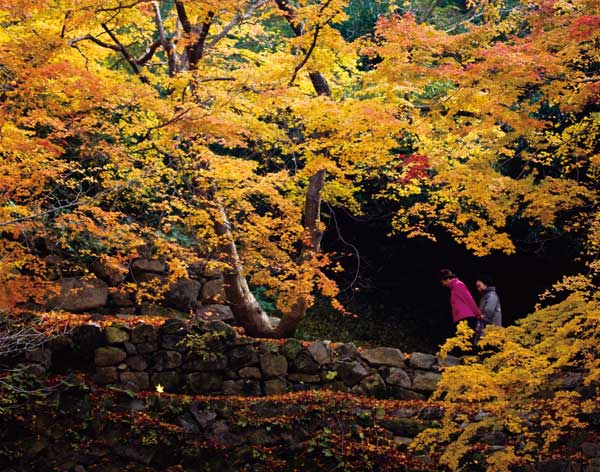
142,122
204,130
505,114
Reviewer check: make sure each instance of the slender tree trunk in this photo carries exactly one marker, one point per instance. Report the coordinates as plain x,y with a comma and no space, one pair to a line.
246,309
312,225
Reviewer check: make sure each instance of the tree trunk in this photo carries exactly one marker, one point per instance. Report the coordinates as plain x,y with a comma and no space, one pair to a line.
312,225
246,309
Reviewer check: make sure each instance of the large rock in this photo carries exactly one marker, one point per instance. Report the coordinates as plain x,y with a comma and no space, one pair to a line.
205,365
147,265
347,351
351,372
418,360
591,449
137,363
115,335
106,375
291,348
153,309
144,333
372,386
250,373
220,327
107,356
449,361
41,356
273,365
166,360
426,381
80,294
213,291
241,387
404,427
383,356
135,380
203,417
304,378
320,352
305,363
182,295
242,356
136,453
398,378
120,299
401,393
174,327
85,339
172,342
205,382
215,312
112,273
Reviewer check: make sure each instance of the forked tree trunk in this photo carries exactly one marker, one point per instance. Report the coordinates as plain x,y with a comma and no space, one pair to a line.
243,303
246,309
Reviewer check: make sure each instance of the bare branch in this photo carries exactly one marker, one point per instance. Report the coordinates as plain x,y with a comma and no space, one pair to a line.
167,44
216,79
150,50
134,65
237,19
123,6
40,214
183,18
197,50
306,55
317,79
99,42
290,13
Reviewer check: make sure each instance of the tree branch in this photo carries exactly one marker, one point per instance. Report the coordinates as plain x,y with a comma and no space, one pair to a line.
183,18
165,42
121,6
290,13
237,19
427,13
150,50
306,55
134,65
319,81
99,42
197,50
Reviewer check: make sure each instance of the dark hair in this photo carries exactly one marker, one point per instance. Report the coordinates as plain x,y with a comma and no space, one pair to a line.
486,279
444,274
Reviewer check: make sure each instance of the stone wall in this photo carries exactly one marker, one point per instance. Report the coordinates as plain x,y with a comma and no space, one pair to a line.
108,289
143,356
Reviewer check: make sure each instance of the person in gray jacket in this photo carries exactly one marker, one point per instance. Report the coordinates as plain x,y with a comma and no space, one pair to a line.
489,304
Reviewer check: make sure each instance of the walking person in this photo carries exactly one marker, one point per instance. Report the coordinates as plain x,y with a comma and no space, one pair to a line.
489,304
463,305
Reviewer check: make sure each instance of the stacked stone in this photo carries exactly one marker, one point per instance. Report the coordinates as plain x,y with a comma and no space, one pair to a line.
144,356
101,291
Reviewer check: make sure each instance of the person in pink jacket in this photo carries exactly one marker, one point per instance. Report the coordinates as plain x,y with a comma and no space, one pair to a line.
462,302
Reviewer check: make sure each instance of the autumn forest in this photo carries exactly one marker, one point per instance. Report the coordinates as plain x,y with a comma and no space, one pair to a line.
222,224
